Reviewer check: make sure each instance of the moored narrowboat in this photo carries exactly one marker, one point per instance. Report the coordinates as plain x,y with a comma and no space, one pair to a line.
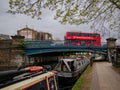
31,81
69,69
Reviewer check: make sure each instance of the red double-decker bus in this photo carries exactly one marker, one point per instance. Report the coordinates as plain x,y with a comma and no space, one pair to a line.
82,39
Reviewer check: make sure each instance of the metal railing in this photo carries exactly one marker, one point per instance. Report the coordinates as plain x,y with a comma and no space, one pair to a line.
49,43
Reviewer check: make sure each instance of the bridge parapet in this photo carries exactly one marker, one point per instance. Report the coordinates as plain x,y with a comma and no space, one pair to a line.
42,44
35,47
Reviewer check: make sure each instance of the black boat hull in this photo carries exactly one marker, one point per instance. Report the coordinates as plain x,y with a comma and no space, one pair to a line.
69,78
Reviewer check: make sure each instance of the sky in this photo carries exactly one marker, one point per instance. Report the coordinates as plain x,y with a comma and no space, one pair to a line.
9,24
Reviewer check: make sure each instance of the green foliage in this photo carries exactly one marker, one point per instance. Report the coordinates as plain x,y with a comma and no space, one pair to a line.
83,79
78,84
72,11
22,44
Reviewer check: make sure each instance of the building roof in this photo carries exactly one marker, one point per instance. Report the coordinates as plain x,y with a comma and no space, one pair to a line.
3,36
27,28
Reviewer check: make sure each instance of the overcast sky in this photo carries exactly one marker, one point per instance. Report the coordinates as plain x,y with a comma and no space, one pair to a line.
9,24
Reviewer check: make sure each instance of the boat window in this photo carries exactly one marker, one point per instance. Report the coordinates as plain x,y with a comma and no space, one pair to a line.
79,64
64,67
39,86
72,67
61,67
52,83
82,62
85,61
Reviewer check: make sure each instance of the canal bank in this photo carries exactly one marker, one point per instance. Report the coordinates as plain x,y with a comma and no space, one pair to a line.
101,76
84,82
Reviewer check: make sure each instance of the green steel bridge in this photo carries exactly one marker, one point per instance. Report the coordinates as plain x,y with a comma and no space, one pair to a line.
40,47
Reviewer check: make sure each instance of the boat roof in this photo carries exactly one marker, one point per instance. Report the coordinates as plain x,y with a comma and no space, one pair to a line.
69,59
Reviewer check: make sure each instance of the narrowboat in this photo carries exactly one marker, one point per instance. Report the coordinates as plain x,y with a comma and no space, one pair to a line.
69,69
33,79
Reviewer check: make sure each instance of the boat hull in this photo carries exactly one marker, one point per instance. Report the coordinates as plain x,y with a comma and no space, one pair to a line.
69,78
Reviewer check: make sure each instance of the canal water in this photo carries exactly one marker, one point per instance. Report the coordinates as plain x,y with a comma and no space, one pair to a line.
60,87
68,86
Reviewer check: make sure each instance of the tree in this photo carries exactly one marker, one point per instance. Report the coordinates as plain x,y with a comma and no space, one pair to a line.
21,46
99,12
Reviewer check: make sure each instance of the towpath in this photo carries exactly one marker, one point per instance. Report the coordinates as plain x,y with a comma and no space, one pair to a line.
104,77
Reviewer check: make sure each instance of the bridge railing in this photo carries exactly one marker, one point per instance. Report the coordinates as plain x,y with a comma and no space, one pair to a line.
49,43
37,47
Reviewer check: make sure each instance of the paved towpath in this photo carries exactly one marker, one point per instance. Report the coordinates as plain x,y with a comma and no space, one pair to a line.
104,77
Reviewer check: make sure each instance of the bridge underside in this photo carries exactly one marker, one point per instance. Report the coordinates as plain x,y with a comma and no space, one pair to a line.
56,52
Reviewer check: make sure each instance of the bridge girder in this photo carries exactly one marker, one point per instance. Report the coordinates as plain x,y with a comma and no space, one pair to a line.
43,50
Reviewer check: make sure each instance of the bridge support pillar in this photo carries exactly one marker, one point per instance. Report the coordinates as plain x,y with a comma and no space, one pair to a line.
111,46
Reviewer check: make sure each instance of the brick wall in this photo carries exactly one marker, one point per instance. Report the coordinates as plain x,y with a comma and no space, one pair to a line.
9,55
5,51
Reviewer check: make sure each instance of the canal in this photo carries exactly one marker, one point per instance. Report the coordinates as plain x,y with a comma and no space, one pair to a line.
49,64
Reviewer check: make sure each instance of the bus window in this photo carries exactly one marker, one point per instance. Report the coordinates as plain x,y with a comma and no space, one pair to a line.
97,35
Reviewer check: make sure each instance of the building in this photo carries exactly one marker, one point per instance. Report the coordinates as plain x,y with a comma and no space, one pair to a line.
44,36
28,33
31,34
3,36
